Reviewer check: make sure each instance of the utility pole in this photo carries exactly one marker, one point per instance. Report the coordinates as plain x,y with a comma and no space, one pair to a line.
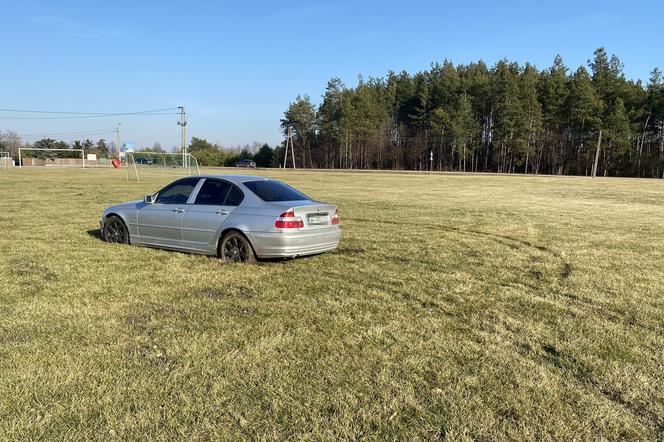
289,140
118,146
183,124
599,142
286,151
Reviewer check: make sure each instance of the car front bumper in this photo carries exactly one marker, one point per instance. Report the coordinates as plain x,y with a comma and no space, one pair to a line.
284,245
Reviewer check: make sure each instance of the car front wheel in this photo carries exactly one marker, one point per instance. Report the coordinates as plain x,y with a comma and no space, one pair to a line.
115,231
235,247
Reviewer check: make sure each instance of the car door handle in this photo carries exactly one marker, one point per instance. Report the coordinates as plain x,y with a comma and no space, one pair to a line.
178,210
221,212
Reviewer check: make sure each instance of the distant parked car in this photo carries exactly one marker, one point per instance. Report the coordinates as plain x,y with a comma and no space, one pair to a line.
142,160
246,163
236,217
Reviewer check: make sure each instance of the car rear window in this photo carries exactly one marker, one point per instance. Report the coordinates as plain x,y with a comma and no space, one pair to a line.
234,197
213,193
269,191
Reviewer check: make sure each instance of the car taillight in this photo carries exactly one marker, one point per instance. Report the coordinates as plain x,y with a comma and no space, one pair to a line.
288,220
335,217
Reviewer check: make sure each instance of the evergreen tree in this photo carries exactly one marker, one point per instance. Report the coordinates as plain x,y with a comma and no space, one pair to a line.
510,118
531,117
206,153
553,93
583,109
464,129
44,143
102,148
617,144
508,113
329,115
263,157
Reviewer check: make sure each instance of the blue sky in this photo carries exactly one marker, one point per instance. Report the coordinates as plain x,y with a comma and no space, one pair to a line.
235,66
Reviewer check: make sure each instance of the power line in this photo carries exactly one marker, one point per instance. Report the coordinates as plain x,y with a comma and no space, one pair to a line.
85,132
84,116
86,113
78,115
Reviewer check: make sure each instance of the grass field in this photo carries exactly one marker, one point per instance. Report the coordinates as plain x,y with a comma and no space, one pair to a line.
457,307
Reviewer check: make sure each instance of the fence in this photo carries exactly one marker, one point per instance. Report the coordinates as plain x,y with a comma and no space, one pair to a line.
64,162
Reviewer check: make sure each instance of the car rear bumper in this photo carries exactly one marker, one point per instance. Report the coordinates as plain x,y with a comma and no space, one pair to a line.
283,245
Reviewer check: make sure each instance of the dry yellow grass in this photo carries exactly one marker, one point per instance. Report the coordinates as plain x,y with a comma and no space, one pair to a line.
483,307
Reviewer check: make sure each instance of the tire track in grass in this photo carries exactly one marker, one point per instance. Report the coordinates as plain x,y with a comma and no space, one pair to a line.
553,359
564,273
560,362
508,241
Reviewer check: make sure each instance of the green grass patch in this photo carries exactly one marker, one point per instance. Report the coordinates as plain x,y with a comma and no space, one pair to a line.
457,306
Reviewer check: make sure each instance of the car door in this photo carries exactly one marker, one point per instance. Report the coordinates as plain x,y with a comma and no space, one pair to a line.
214,201
160,223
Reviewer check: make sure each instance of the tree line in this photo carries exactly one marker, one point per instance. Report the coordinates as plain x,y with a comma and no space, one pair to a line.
207,154
508,118
10,142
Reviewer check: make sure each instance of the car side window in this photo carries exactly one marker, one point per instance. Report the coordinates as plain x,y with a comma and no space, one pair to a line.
235,197
213,193
177,192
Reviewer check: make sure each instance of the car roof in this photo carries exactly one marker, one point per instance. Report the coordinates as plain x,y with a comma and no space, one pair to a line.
235,179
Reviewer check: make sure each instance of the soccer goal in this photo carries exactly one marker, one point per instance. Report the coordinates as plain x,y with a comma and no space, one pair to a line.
36,157
140,164
5,161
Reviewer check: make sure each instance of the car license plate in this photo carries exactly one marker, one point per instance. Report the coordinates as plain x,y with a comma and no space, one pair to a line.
317,220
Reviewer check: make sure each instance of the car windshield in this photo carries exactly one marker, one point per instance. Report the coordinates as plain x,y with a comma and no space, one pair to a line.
270,191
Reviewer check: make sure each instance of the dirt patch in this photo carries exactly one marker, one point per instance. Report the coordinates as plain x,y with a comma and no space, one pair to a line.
246,292
13,338
243,310
29,268
401,259
535,274
215,293
152,356
209,292
351,251
551,350
567,271
472,253
145,319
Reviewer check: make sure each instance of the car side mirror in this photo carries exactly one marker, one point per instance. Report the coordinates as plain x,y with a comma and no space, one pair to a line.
149,199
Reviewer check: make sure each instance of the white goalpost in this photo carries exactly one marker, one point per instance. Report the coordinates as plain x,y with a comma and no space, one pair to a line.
5,160
148,162
52,161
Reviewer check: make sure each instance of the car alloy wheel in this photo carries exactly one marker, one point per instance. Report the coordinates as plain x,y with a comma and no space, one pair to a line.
235,248
115,231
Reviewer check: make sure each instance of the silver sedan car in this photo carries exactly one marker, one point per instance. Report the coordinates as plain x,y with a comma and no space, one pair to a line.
235,217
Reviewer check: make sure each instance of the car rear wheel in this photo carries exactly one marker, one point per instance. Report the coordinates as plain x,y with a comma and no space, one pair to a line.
235,247
115,231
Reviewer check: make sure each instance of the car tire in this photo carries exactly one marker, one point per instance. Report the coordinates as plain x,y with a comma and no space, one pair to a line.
115,230
235,247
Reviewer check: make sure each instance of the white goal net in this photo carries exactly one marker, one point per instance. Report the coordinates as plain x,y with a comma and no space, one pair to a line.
142,164
33,157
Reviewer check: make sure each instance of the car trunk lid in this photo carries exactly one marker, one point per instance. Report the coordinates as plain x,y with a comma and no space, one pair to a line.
314,215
